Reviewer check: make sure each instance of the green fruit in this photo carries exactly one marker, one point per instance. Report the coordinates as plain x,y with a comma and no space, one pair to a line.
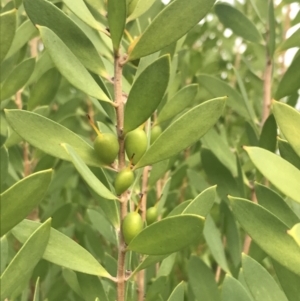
155,132
136,143
151,215
124,180
107,147
131,226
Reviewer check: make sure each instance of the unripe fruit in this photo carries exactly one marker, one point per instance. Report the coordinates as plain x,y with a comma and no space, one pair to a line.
131,226
106,146
155,132
136,143
151,215
124,180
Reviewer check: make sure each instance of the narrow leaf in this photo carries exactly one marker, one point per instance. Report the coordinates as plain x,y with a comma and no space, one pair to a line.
48,136
202,280
87,174
3,166
17,78
8,24
168,235
26,259
233,290
272,28
287,180
116,20
202,203
287,152
268,232
178,103
146,93
261,284
183,132
237,22
292,41
21,198
62,250
178,293
36,296
174,21
45,13
69,65
268,137
140,8
288,120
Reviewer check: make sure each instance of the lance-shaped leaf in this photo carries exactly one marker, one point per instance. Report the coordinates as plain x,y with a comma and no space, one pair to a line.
267,139
292,41
288,120
237,22
178,293
260,283
3,165
87,174
178,103
168,235
8,24
48,136
138,8
146,93
45,13
290,81
174,21
233,290
279,172
272,28
218,88
202,203
202,280
268,232
116,10
295,233
287,152
79,8
17,78
69,65
62,250
21,198
183,132
25,260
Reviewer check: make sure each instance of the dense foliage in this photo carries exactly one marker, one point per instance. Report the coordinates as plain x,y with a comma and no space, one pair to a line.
149,151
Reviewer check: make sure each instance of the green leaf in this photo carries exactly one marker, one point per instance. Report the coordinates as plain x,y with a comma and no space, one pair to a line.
272,29
36,296
166,266
71,278
174,21
116,10
3,166
69,65
292,41
87,174
8,24
267,139
275,204
178,293
140,8
21,198
146,93
44,13
183,132
202,280
3,253
237,22
45,89
233,290
295,233
218,87
62,250
279,172
48,136
290,81
288,281
26,259
288,120
287,153
268,232
168,235
179,208
261,284
202,203
79,8
177,103
24,33
91,287
17,78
